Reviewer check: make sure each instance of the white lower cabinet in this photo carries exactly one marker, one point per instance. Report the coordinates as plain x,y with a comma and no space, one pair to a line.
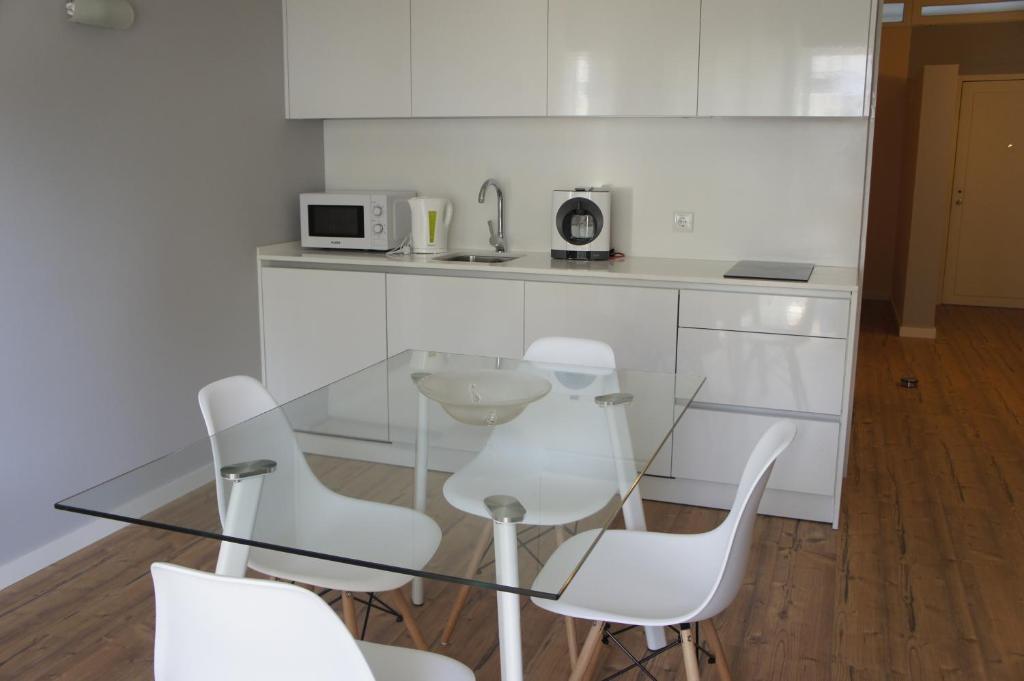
713,445
320,326
765,370
639,324
464,315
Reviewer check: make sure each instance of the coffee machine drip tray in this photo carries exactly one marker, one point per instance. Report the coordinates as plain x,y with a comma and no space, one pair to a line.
764,269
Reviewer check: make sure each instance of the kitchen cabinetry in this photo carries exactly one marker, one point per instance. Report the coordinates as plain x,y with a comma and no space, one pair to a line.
347,58
784,57
613,58
479,57
769,351
319,326
639,324
463,315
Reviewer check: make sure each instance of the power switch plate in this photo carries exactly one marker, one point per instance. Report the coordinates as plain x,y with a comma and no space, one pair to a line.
682,222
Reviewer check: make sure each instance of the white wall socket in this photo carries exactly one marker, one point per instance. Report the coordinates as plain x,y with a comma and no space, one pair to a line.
683,222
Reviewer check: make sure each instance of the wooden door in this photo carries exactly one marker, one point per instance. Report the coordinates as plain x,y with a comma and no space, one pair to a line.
985,251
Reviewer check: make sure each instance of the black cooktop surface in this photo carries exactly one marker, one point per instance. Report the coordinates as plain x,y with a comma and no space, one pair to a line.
764,269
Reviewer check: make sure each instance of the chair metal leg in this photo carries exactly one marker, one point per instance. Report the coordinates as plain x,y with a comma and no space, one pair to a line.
348,613
482,542
589,652
716,649
690,670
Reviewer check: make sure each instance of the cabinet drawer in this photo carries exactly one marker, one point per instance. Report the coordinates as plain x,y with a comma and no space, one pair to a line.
799,315
714,446
770,371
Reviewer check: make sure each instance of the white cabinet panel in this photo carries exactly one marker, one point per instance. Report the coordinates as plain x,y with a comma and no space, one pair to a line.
319,326
479,57
347,58
455,314
783,57
639,323
714,446
614,58
770,371
800,315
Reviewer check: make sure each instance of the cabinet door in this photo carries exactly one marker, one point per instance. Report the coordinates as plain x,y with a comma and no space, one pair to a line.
347,58
783,57
765,370
479,57
639,324
319,326
614,58
715,445
455,314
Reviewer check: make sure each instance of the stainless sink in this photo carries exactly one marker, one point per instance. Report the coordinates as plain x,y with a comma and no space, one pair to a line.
472,257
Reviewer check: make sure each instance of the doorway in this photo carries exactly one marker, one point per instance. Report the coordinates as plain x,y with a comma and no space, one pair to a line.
985,248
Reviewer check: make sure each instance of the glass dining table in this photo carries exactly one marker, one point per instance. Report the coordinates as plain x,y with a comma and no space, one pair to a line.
476,452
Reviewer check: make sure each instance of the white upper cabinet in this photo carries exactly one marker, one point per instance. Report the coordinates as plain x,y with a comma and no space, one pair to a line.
614,58
479,57
347,58
784,57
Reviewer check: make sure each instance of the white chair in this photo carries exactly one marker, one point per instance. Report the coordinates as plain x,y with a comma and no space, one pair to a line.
658,579
213,628
298,510
518,457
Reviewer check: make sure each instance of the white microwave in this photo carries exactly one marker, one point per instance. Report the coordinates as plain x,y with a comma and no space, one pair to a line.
368,221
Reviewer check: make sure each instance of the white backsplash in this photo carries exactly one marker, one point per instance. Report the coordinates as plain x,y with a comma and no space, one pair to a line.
778,189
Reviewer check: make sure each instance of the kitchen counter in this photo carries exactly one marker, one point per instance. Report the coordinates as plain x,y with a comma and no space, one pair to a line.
540,266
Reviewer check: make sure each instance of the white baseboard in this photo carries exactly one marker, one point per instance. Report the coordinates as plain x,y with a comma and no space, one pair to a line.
98,528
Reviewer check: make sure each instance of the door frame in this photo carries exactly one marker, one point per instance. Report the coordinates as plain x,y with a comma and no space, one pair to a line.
953,213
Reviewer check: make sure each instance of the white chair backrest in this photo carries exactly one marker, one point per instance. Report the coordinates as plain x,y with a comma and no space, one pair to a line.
226,403
212,628
292,491
729,544
579,351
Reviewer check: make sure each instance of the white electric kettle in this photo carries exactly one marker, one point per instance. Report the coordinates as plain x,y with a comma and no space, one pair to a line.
430,220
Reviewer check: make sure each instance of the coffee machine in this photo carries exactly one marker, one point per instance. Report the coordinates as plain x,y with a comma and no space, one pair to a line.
581,224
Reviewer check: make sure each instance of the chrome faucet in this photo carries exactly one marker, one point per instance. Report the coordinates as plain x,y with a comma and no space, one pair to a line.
497,235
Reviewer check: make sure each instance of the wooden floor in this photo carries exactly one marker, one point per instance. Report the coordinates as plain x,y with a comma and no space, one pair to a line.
923,580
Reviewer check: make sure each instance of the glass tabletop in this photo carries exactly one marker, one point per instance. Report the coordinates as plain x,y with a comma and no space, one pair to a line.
406,465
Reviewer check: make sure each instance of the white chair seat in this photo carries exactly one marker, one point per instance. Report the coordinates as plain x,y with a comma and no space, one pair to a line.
622,582
387,534
390,663
549,498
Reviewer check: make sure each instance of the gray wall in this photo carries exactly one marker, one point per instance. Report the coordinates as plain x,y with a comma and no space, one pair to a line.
139,170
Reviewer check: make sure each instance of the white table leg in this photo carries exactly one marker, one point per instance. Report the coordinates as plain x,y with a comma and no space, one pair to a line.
420,482
507,512
240,518
506,566
633,506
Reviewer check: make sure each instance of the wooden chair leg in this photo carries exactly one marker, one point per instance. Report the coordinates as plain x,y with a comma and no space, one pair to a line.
570,637
689,671
715,643
348,613
589,652
482,542
405,610
570,623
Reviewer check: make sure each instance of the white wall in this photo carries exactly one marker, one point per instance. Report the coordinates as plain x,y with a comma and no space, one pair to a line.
138,172
761,188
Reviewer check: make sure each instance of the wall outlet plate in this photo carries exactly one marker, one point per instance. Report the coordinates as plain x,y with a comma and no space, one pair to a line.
682,221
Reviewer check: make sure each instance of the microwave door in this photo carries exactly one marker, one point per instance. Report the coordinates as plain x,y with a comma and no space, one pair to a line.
337,222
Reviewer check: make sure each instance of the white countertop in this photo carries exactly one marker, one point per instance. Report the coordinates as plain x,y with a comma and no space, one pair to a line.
541,265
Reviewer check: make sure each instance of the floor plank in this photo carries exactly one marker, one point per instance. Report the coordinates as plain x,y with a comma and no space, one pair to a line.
923,580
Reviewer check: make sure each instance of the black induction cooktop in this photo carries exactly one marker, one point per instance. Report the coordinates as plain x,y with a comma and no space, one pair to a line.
763,269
